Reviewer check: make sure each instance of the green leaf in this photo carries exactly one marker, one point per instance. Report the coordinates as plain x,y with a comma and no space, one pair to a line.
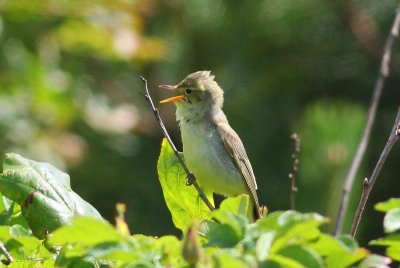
391,222
183,201
87,232
296,227
388,205
338,252
390,240
233,212
282,262
306,256
348,242
327,244
264,244
227,259
344,258
221,235
43,192
239,205
393,252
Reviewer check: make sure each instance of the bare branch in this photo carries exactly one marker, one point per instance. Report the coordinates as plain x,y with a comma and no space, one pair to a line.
190,176
383,74
368,184
293,173
8,259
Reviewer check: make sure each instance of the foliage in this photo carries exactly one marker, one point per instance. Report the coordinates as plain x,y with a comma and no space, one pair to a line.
43,192
222,238
391,225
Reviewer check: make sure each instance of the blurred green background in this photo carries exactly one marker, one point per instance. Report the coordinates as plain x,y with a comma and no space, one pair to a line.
70,93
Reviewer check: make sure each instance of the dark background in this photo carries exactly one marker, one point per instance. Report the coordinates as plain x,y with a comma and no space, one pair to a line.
70,94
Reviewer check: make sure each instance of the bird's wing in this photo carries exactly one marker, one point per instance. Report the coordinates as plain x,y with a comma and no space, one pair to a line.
236,149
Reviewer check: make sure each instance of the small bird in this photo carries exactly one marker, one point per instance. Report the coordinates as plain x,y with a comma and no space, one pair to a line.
213,151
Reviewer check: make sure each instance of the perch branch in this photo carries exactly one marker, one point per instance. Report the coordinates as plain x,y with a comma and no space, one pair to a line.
295,163
191,178
8,259
383,74
368,184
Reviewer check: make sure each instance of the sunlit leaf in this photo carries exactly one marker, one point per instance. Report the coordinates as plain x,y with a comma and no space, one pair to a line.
388,205
43,192
307,257
263,245
86,231
183,201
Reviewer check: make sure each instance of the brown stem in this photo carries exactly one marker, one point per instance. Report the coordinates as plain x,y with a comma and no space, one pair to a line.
293,173
190,176
368,184
9,259
383,74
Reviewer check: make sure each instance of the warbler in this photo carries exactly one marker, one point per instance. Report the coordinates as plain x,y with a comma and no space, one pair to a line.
213,151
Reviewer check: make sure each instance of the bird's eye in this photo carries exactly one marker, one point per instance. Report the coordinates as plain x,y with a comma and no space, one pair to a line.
188,91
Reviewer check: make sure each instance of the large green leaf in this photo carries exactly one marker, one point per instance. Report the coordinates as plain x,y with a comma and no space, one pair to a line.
388,205
43,192
183,201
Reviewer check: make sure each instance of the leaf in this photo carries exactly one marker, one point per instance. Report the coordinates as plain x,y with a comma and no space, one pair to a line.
296,227
263,245
225,259
344,258
221,235
391,222
283,262
306,256
348,242
393,252
87,232
390,240
43,192
393,243
183,201
233,212
388,205
338,252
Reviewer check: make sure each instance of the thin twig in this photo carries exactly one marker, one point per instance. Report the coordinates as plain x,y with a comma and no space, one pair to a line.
383,74
368,184
191,178
9,259
293,173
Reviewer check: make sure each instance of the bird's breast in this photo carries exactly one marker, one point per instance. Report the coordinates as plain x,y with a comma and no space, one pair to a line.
207,158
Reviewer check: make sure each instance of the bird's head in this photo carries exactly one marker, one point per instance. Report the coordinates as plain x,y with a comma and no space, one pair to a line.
198,94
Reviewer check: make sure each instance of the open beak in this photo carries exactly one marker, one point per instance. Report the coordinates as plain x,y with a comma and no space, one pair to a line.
173,99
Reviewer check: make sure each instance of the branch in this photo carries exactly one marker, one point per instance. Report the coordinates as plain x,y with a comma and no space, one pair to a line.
293,173
9,259
368,184
191,178
383,74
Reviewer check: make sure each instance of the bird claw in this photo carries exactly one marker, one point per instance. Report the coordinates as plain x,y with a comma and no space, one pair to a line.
190,179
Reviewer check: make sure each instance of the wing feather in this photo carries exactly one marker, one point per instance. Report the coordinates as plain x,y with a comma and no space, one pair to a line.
236,149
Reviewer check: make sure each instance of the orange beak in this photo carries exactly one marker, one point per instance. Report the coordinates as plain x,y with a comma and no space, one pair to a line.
173,99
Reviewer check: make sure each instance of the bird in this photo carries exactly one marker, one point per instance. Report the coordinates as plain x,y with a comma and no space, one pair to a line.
213,151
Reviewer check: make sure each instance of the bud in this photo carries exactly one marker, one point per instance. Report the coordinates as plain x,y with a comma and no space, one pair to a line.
192,250
120,222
